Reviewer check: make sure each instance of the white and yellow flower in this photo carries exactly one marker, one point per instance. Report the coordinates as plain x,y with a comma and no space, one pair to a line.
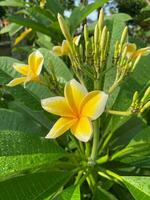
64,49
30,71
133,52
76,109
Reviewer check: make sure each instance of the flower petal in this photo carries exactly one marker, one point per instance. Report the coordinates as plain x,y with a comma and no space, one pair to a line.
35,61
57,105
16,81
65,47
58,50
82,129
93,104
74,94
62,125
131,49
76,39
142,52
21,68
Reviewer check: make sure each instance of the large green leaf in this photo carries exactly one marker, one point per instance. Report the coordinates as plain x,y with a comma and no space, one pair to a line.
115,24
138,186
140,140
21,152
12,28
27,22
12,120
38,116
60,68
55,7
36,186
71,193
13,3
81,12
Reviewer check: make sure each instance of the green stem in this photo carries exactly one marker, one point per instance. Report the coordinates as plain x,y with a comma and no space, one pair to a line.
106,141
78,177
95,141
122,113
113,87
96,130
87,149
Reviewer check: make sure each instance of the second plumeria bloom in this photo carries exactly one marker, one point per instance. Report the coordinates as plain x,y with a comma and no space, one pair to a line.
64,49
133,52
30,71
76,109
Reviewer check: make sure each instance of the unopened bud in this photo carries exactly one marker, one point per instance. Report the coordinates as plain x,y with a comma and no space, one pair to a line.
64,27
135,63
124,36
101,20
146,106
146,94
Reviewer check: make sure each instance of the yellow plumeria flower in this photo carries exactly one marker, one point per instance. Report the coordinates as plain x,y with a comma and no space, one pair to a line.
31,71
133,52
76,109
42,3
64,48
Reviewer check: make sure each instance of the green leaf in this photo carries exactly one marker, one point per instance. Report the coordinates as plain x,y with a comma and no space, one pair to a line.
27,22
55,7
33,186
70,193
44,41
12,120
139,157
38,116
115,24
142,137
103,194
81,12
13,3
11,28
138,186
20,153
60,68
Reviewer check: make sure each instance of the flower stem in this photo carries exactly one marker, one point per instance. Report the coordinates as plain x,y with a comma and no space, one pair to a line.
123,113
95,141
96,130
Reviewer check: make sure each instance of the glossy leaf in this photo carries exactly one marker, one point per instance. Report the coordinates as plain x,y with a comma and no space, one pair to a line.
70,193
17,121
33,186
138,186
21,152
13,3
60,68
115,24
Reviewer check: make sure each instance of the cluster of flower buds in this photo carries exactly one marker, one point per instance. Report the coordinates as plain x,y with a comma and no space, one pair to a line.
126,57
139,105
96,46
94,50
